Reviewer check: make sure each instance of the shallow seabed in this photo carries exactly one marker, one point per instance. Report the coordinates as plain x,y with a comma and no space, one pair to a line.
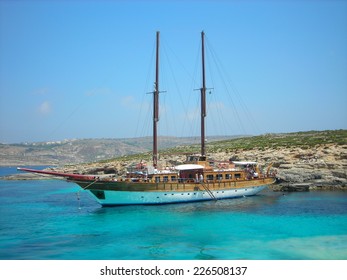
46,220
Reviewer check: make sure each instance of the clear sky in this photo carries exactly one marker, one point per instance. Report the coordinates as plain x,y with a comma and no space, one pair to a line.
81,69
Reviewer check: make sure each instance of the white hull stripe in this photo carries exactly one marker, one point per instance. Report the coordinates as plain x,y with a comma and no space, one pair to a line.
114,198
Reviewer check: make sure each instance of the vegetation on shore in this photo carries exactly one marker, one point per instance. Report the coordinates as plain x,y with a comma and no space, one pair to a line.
303,140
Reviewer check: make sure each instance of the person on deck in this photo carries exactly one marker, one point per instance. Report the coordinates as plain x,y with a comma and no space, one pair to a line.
201,178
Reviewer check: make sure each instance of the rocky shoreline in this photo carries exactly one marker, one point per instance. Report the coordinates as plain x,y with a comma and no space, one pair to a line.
323,167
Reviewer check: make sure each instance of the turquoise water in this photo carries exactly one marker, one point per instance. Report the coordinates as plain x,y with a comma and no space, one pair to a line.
45,220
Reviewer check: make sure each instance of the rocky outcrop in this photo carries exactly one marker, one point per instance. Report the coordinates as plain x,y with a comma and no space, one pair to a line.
323,167
303,187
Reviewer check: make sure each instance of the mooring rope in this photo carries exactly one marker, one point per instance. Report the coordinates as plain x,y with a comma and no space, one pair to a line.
84,188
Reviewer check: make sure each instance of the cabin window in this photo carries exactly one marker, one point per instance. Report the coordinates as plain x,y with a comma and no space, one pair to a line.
193,158
237,175
173,178
157,179
228,176
209,177
166,178
219,176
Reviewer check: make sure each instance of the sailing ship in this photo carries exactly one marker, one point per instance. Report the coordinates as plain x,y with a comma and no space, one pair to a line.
198,179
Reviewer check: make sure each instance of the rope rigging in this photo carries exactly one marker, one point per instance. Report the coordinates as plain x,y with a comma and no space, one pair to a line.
228,84
183,106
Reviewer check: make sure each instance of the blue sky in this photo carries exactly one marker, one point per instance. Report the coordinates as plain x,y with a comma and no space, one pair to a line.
81,69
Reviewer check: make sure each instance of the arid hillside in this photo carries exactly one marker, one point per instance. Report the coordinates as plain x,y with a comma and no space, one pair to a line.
84,150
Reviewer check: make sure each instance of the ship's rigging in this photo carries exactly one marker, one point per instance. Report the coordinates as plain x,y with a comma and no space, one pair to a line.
181,109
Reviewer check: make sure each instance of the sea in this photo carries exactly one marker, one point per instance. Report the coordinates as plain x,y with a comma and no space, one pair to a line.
56,220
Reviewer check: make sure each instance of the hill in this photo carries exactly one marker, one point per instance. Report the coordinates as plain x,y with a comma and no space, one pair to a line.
84,150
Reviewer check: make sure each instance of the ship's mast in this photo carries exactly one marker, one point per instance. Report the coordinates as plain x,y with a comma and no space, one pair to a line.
203,96
156,106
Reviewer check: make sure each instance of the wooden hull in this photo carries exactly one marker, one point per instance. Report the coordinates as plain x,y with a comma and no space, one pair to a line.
129,193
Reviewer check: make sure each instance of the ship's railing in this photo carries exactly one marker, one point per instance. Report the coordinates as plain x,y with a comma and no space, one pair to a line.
190,184
215,179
